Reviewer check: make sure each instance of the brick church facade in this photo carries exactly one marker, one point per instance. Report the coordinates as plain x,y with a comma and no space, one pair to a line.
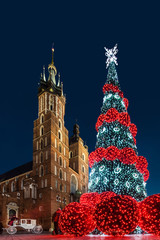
58,173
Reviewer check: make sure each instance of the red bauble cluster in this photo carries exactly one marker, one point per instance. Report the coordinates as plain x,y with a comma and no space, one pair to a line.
146,175
117,215
111,87
77,220
90,199
113,115
111,153
107,195
125,155
133,129
124,119
126,102
149,210
141,164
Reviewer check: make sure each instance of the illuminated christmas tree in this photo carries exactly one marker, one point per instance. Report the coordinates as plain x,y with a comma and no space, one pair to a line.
115,164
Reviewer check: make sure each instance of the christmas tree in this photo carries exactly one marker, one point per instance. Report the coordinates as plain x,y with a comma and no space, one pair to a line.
115,164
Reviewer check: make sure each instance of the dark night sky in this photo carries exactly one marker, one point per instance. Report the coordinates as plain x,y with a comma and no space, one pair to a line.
80,30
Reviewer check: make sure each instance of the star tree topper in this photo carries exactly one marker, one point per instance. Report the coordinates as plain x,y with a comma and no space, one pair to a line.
111,55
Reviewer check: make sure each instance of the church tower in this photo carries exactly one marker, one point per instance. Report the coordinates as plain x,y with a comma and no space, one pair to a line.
51,144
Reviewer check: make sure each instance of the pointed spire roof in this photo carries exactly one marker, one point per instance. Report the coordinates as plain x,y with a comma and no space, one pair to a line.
52,69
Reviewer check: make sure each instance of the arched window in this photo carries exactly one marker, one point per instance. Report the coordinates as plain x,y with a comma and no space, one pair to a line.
60,148
83,168
41,143
60,124
64,163
83,157
41,131
22,184
60,187
37,145
37,158
60,161
51,102
46,155
41,171
41,157
60,173
60,135
55,170
70,154
13,186
42,118
4,188
74,183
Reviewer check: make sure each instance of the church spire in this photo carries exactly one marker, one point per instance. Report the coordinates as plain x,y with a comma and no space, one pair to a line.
52,69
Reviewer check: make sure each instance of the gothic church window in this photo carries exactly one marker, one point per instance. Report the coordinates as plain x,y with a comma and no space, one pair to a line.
60,148
60,174
13,188
70,154
55,170
41,171
41,131
59,135
51,102
83,157
42,118
74,184
60,161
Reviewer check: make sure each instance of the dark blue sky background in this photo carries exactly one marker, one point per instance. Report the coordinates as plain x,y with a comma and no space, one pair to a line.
80,30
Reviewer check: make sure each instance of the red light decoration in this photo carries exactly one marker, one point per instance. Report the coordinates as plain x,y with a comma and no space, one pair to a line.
111,115
126,102
127,156
111,153
133,129
117,215
107,195
141,164
90,199
124,119
77,220
110,87
149,210
99,154
134,141
100,121
146,175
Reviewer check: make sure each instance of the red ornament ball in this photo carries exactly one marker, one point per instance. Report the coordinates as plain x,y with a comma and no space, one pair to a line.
100,121
133,129
149,210
141,164
126,102
77,220
99,154
146,175
107,195
91,158
127,156
124,119
90,199
112,153
111,115
117,215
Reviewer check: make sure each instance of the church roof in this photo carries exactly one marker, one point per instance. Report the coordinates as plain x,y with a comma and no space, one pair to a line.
16,171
